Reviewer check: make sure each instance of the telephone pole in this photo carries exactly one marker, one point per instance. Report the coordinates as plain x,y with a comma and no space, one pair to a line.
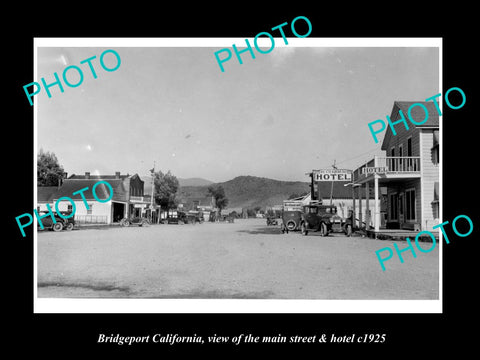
331,189
153,189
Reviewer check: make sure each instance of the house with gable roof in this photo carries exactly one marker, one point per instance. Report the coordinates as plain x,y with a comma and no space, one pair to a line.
127,199
410,170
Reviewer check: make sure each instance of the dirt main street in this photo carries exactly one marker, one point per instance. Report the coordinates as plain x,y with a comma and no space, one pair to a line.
242,260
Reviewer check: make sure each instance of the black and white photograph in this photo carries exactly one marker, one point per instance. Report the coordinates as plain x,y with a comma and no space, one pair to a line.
221,179
191,169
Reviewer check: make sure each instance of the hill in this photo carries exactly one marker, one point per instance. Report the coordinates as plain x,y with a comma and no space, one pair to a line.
190,182
246,192
194,182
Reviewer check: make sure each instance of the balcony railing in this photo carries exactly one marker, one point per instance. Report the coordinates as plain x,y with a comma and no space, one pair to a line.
399,164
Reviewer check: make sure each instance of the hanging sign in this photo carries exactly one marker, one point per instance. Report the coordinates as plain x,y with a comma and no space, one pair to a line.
332,175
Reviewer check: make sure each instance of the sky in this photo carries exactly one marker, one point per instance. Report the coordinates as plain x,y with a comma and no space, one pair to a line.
279,115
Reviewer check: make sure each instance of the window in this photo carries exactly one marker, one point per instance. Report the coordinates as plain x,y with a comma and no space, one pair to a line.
409,147
436,148
436,155
435,202
410,204
394,207
89,211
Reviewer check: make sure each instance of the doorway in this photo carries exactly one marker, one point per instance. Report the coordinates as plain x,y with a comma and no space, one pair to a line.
401,208
118,211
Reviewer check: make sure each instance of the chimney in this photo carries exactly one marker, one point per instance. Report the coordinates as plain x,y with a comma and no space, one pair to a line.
117,174
87,175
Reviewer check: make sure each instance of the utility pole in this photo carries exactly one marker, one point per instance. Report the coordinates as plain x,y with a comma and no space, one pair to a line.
331,189
153,189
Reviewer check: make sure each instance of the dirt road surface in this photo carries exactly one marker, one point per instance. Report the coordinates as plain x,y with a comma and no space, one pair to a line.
242,260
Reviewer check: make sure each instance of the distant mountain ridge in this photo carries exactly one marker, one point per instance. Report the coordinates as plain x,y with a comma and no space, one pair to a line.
147,179
194,182
246,192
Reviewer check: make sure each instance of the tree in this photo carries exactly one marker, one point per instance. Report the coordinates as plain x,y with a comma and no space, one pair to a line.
218,193
251,212
165,189
49,171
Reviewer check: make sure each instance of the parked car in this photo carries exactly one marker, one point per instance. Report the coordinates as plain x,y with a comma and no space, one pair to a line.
68,224
317,218
324,218
291,220
177,217
271,220
135,221
48,223
193,218
344,225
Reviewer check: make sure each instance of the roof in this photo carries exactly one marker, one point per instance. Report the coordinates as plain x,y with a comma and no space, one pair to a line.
99,177
417,114
339,190
70,186
300,198
45,193
227,211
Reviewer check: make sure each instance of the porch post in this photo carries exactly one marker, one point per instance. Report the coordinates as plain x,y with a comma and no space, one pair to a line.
360,218
377,207
367,210
353,204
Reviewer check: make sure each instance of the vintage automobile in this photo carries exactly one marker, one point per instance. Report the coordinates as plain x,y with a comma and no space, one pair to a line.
59,225
324,218
68,224
135,221
271,220
291,220
344,225
194,217
177,217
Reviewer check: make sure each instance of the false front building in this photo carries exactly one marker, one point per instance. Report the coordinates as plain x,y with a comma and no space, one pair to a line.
409,171
127,199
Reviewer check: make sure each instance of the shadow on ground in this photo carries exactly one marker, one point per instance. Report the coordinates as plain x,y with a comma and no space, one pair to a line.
71,290
267,230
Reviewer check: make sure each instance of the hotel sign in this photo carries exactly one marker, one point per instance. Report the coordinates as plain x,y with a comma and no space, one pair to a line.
332,175
374,170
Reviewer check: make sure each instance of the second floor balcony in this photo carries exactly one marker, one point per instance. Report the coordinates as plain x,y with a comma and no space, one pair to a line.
399,164
389,167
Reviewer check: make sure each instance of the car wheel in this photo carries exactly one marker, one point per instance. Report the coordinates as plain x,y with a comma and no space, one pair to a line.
291,225
58,226
126,223
303,229
69,226
323,229
348,230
